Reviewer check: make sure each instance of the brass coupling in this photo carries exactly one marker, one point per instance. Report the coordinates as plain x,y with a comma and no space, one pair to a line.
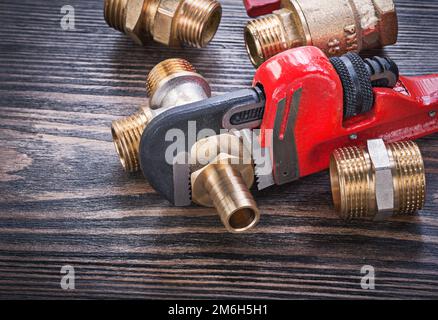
379,180
171,83
170,22
224,182
334,26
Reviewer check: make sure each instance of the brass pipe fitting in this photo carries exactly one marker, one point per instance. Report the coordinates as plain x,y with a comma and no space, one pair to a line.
379,180
335,26
224,183
171,83
170,22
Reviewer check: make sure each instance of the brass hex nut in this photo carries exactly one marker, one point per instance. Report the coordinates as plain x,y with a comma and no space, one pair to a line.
133,20
163,27
388,23
205,150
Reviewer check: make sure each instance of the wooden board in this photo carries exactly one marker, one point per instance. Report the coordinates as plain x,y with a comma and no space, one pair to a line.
64,199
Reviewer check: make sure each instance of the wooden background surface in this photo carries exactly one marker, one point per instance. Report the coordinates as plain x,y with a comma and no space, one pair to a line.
64,198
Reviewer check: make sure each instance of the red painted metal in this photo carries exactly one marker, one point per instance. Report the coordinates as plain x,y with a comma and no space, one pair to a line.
408,111
256,8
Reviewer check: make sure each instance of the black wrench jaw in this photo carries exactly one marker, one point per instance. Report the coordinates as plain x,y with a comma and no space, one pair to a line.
207,114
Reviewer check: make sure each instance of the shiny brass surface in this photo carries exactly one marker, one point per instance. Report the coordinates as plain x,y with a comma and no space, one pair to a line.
335,26
170,22
353,180
171,83
224,183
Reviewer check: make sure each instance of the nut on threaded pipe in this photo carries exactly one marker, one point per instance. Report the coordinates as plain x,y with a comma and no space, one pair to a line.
170,22
171,83
224,184
334,26
363,187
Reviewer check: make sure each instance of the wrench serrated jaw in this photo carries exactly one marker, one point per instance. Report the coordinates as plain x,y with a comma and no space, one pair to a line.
260,156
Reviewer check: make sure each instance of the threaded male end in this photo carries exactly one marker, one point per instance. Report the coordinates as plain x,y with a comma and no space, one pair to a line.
171,22
357,180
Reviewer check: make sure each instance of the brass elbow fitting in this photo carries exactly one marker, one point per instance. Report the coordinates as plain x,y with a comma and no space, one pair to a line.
170,22
379,180
171,83
334,26
224,183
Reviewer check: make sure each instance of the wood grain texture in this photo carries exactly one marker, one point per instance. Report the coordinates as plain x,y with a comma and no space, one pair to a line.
64,198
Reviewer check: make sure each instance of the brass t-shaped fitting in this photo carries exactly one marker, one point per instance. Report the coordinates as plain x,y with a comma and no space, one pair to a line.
171,83
334,26
170,22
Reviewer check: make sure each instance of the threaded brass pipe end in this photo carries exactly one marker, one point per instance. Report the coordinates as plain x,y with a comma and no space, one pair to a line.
264,38
114,13
171,22
353,180
165,69
409,179
198,22
126,134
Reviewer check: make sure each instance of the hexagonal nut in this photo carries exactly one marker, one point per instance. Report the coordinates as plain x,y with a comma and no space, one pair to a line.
384,188
288,23
207,149
388,22
133,18
163,23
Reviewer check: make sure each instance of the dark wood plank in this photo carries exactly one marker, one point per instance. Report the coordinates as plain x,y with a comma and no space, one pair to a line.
65,200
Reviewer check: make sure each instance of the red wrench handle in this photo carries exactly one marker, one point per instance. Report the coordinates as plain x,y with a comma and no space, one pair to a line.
408,111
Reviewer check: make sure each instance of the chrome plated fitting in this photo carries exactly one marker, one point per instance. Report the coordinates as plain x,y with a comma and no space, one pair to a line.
171,83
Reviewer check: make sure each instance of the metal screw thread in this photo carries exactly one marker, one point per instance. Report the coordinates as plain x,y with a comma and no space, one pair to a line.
353,180
198,21
231,197
264,38
409,180
127,133
114,12
166,69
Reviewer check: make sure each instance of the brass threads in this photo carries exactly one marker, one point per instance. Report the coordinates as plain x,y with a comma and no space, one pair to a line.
198,22
164,84
224,184
334,26
354,181
264,38
170,22
114,12
164,70
409,176
126,136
